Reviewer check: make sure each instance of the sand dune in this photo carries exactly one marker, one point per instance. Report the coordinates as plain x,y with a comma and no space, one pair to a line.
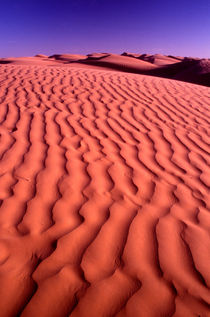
104,193
156,59
68,57
117,62
187,69
36,60
199,73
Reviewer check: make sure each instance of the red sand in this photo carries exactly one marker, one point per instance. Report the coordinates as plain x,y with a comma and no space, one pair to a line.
104,193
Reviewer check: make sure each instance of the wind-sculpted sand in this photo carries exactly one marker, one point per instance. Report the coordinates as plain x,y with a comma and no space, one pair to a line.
104,194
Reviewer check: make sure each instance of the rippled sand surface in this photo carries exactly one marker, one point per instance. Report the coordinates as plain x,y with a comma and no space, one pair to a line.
104,194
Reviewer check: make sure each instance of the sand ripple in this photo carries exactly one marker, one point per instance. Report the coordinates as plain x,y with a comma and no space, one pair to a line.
104,194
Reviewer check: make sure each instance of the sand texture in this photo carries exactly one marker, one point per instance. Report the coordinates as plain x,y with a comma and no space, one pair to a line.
104,191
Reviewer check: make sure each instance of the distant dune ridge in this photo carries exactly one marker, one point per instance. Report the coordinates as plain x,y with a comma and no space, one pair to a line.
104,186
188,69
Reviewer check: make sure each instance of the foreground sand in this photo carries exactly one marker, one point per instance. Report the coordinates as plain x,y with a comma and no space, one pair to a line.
104,194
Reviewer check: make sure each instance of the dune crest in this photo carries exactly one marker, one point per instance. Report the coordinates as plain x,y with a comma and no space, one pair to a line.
104,193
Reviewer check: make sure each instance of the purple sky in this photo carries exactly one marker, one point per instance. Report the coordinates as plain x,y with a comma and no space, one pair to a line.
66,26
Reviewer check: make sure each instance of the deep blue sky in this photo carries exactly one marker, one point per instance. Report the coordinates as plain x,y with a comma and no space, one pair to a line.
180,27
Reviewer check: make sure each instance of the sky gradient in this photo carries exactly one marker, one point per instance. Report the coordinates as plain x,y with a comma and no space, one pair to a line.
48,27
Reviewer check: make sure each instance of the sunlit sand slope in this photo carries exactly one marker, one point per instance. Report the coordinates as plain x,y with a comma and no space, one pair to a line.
104,194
